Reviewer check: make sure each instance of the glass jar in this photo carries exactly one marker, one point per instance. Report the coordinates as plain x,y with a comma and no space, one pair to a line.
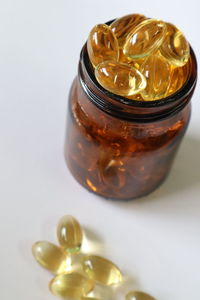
121,148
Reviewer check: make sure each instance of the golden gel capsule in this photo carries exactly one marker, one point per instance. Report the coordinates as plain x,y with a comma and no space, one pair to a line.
51,257
101,270
72,286
145,38
136,295
120,79
178,76
102,45
123,26
175,46
157,72
70,234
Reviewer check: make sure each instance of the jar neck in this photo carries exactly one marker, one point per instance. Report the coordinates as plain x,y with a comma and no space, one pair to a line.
134,110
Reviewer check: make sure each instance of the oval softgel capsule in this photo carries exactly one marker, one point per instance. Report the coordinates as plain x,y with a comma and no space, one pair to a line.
175,48
50,257
69,234
71,286
157,72
124,25
102,44
145,38
101,270
120,79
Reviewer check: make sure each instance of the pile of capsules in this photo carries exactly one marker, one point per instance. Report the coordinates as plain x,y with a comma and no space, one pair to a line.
77,283
139,58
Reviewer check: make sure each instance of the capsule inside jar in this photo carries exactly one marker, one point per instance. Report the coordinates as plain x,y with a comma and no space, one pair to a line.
124,25
102,45
175,47
157,73
145,39
119,78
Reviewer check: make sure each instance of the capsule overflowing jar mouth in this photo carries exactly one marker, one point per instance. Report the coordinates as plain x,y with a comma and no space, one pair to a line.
130,109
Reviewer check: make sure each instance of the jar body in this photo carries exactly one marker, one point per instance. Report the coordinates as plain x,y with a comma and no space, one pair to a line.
117,158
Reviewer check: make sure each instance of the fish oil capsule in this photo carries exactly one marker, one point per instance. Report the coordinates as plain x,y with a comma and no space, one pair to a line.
178,76
136,295
123,26
72,286
102,45
101,270
157,73
50,257
145,38
120,79
69,234
175,46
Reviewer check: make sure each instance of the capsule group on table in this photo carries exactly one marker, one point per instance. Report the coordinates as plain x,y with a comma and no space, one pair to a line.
135,55
94,270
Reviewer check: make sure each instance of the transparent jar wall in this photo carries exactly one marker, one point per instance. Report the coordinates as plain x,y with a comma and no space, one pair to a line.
116,158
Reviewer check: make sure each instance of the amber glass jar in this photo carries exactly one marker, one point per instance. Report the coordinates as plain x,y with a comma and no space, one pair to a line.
121,148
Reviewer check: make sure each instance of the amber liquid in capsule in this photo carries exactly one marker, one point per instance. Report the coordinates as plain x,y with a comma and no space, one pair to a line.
136,295
70,234
157,73
102,45
50,257
120,78
101,270
175,47
123,26
144,39
72,286
135,63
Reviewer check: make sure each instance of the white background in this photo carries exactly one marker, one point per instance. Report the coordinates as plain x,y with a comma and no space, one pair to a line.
154,240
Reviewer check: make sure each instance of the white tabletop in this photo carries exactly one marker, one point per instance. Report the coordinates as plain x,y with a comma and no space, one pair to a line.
154,240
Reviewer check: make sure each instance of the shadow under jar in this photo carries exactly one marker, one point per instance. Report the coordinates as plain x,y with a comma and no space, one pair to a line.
121,148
